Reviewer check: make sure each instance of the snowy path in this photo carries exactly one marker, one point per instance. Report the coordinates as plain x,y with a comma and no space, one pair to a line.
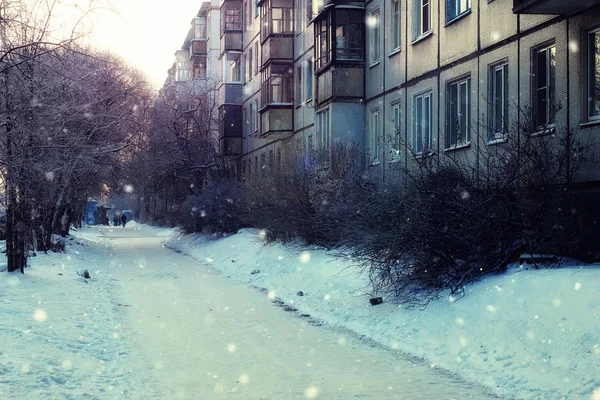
203,336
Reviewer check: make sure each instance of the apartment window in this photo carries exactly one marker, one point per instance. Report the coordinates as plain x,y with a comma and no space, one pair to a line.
256,166
422,18
256,60
233,68
256,115
299,15
244,169
249,15
231,19
246,73
309,79
256,8
298,96
593,67
396,24
277,20
498,101
459,112
374,23
455,8
374,137
323,46
245,15
250,69
183,72
348,35
396,138
544,62
279,159
421,137
245,116
250,119
277,85
324,136
199,28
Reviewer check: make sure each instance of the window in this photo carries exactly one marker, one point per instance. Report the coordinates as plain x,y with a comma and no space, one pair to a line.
421,137
271,159
323,133
396,138
278,85
256,56
233,69
348,35
374,23
245,15
299,15
255,8
250,121
199,28
276,20
309,79
245,116
498,101
422,17
256,115
250,69
309,11
455,8
593,69
247,72
374,137
279,158
298,96
459,112
256,166
396,24
323,41
183,72
543,86
231,20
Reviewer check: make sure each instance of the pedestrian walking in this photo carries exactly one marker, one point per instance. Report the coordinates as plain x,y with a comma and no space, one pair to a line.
123,219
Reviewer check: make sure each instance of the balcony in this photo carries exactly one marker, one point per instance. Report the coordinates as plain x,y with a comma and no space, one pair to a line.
231,93
197,47
277,105
231,26
278,49
562,7
230,130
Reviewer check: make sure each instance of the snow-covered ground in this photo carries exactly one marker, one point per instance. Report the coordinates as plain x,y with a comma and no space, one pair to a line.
60,333
528,334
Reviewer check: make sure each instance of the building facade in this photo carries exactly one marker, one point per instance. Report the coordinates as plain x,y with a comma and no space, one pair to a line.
402,79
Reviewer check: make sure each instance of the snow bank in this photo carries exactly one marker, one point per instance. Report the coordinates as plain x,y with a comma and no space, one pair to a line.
61,333
530,334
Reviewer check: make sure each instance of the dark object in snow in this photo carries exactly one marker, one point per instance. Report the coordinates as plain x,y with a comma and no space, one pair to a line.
300,293
376,300
86,274
232,261
60,273
256,271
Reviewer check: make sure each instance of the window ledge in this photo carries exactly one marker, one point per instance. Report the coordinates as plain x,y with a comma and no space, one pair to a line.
376,63
543,131
497,140
589,124
395,51
458,17
458,147
422,37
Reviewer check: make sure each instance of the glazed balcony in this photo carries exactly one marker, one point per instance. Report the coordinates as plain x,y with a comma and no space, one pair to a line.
230,130
197,47
278,49
562,7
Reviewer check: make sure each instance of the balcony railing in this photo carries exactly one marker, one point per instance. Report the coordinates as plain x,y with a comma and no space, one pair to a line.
277,90
562,7
197,47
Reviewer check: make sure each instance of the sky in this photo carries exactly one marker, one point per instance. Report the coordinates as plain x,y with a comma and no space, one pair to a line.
145,33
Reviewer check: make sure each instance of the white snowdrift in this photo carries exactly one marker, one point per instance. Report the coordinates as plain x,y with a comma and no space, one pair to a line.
529,334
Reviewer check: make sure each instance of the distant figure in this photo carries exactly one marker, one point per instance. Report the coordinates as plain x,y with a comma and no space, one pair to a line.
116,221
123,219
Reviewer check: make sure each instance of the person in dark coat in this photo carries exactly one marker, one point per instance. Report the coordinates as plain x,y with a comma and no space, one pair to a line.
123,219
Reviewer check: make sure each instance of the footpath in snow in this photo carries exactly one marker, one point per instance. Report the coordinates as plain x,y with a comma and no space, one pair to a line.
528,334
153,324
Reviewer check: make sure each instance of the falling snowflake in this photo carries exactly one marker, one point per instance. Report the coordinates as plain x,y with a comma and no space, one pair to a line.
40,315
305,257
312,392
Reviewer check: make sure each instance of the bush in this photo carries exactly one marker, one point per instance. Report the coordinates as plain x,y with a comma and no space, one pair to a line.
220,208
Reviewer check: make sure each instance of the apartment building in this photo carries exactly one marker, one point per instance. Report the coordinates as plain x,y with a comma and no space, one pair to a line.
403,79
454,77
